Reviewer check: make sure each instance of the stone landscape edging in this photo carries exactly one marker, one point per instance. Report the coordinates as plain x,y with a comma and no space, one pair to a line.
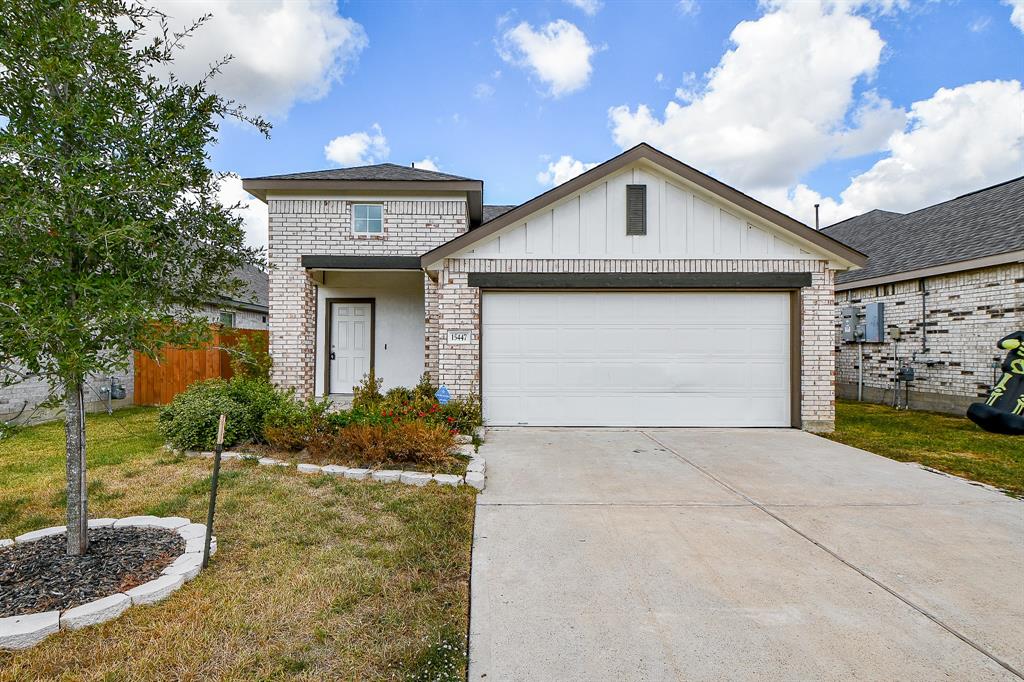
476,469
25,631
475,476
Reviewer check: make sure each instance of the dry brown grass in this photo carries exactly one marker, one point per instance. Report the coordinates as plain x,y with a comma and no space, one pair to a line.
315,577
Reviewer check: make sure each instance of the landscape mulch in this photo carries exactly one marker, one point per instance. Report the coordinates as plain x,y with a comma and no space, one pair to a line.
39,576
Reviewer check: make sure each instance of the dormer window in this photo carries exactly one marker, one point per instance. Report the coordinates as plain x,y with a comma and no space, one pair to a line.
368,219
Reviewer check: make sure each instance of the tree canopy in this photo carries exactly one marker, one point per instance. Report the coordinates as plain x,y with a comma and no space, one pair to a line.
111,235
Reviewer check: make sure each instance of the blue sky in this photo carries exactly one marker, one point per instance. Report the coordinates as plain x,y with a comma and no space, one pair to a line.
870,103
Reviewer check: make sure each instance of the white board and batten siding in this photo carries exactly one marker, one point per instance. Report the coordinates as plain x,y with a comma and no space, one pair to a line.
681,223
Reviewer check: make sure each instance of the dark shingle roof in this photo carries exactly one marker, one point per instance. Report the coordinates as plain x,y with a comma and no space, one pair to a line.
987,222
380,171
257,284
493,211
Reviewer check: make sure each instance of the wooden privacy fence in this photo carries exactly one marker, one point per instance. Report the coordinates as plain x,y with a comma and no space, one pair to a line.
156,383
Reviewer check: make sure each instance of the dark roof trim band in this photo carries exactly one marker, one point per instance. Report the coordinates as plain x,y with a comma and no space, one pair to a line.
640,280
362,262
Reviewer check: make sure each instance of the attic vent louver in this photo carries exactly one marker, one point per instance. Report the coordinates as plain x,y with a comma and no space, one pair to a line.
636,209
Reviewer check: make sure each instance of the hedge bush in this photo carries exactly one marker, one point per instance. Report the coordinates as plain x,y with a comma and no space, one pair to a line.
189,422
292,424
376,444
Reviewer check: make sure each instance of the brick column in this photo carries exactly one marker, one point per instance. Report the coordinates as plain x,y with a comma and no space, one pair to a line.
458,309
818,360
430,327
292,304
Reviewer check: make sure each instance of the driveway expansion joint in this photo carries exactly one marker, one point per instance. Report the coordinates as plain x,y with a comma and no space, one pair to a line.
766,510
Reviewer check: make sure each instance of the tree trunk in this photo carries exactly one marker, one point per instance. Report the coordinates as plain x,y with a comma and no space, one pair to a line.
74,433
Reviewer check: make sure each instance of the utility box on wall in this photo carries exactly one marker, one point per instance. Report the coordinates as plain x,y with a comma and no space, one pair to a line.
874,322
851,317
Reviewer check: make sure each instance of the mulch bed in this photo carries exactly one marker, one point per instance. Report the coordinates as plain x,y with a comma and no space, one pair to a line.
39,576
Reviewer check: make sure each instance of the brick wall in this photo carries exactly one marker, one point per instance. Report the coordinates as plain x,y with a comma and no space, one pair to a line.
458,307
244,319
20,402
965,313
300,227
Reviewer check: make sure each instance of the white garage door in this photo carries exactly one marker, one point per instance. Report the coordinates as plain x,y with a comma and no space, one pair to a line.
565,358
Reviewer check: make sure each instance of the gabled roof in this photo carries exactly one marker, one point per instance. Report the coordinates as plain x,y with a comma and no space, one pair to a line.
380,171
972,230
646,152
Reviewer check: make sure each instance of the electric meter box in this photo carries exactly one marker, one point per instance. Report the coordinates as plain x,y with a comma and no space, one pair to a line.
874,323
851,318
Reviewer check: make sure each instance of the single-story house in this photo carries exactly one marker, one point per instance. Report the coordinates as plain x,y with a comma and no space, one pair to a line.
21,401
950,278
640,293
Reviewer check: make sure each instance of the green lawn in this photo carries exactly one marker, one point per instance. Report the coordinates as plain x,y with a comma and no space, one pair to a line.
315,577
944,442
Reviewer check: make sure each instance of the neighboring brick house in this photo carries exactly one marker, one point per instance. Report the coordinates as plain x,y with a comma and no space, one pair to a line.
248,312
951,278
641,292
21,401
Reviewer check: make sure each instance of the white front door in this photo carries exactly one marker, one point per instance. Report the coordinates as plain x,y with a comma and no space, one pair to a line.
350,345
628,358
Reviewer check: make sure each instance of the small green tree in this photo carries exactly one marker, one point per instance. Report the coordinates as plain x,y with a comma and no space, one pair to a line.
110,231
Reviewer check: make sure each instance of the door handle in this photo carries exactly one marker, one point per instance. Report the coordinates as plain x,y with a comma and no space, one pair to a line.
332,355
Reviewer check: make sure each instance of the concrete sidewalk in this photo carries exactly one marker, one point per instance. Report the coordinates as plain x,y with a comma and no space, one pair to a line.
706,554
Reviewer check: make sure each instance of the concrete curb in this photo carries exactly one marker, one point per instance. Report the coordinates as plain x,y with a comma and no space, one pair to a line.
25,631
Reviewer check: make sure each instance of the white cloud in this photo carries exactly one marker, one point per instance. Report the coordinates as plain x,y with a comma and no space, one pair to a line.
427,163
358,149
1017,15
588,7
252,211
283,51
558,54
688,7
959,140
777,103
483,90
659,78
566,168
980,24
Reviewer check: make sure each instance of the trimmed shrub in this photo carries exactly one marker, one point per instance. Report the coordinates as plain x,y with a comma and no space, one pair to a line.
367,393
375,444
190,421
292,424
461,414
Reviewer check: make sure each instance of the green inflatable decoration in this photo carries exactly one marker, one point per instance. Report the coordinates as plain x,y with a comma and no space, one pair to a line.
1003,412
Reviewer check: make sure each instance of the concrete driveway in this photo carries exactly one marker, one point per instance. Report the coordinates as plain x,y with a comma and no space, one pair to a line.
687,554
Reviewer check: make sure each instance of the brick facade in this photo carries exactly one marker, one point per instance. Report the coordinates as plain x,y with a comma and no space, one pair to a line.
323,226
459,308
954,351
300,227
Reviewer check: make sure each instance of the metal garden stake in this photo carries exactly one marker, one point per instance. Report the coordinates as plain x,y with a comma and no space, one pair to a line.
213,488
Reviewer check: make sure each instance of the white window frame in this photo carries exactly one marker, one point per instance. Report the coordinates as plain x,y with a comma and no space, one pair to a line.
366,232
230,315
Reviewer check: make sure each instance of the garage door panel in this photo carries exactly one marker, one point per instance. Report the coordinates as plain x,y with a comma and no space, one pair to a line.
636,358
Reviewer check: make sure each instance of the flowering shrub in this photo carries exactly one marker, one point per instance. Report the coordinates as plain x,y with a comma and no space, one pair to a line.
402,405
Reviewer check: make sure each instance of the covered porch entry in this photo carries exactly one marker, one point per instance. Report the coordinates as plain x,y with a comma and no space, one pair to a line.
369,315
